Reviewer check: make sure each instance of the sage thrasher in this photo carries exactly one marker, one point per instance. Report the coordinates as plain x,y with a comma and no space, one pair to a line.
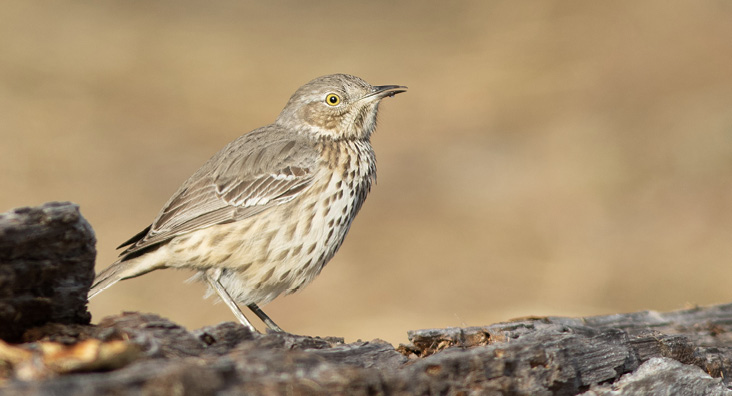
267,212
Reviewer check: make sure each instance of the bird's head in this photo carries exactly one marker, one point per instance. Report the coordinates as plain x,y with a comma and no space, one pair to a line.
336,106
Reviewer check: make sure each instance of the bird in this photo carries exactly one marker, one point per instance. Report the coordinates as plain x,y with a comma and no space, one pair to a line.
265,214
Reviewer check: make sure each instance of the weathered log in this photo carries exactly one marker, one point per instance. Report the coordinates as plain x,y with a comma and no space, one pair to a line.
46,267
686,352
663,376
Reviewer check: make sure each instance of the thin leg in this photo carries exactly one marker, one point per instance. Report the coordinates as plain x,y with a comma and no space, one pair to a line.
269,322
213,280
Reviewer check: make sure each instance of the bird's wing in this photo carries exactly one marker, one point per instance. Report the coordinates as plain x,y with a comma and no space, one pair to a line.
250,175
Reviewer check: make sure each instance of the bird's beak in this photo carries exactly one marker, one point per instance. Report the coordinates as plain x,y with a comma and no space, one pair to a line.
383,91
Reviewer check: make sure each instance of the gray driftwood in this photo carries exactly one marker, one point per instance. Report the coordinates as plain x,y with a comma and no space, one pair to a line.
686,352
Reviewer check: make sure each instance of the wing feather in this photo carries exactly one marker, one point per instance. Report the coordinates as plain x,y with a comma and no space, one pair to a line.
256,172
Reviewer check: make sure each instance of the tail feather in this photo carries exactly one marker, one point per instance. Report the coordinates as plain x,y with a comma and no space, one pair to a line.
116,272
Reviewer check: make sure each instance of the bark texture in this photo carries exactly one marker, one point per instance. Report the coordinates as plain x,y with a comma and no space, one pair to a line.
46,267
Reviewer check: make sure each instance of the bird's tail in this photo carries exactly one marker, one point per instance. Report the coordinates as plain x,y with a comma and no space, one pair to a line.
118,271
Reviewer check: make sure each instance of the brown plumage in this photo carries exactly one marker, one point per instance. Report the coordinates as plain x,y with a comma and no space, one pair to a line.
267,212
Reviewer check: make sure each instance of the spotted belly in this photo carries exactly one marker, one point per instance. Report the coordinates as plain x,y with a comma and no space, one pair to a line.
280,253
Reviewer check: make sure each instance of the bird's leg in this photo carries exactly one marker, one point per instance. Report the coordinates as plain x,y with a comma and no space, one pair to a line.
269,322
212,277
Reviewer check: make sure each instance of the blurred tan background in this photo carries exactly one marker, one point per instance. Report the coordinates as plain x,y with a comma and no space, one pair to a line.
550,157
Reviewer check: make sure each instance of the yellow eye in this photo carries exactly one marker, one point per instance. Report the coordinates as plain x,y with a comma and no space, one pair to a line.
333,99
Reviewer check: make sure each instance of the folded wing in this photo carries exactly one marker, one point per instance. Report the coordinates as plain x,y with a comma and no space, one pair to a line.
245,178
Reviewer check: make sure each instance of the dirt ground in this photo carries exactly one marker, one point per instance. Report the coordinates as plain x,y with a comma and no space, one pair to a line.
550,157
